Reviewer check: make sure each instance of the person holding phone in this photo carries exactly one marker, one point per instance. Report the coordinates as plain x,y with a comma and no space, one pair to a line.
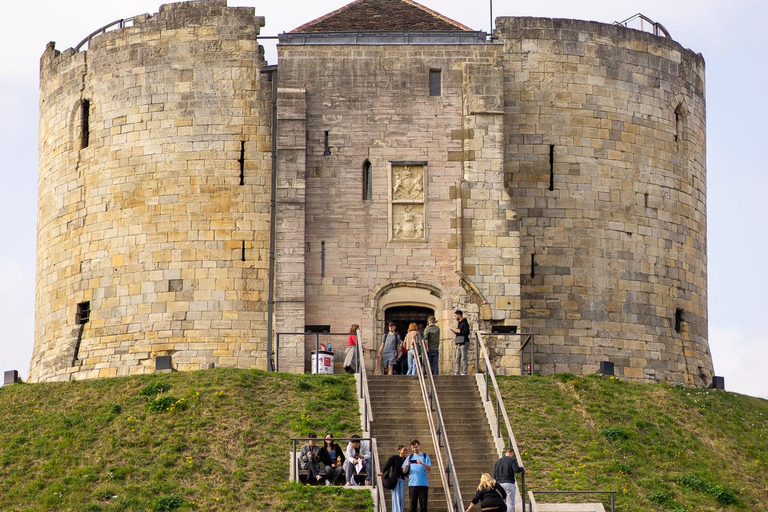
417,467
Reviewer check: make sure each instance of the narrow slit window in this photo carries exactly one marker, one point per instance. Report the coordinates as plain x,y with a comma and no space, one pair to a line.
367,181
327,147
435,82
322,259
241,161
242,255
85,122
533,265
551,167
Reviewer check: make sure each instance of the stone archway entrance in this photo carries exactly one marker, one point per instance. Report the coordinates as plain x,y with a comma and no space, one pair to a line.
404,315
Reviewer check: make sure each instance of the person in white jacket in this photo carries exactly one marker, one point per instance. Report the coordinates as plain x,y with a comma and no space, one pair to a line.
358,456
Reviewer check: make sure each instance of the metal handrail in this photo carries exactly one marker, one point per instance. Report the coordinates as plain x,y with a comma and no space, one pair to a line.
528,340
121,23
501,411
306,333
658,28
430,399
365,396
612,493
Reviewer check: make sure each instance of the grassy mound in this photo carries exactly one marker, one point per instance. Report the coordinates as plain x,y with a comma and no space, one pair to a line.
215,440
218,440
663,448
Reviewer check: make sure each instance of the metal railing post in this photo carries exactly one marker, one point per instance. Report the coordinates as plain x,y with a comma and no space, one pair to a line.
277,352
295,463
613,502
530,337
522,489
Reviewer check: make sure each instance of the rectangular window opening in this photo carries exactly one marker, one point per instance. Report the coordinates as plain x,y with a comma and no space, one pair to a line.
435,85
327,147
679,320
83,314
367,181
551,167
317,328
533,265
241,161
322,259
85,115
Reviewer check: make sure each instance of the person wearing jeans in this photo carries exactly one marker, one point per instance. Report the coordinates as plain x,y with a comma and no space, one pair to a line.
417,467
504,474
432,342
462,342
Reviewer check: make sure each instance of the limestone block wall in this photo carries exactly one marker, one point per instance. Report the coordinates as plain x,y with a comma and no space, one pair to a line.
147,220
374,104
605,160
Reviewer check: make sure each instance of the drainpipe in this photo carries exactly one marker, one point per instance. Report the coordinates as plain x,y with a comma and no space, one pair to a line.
272,70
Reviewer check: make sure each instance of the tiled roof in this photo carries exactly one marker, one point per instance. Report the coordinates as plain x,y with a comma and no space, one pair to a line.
382,16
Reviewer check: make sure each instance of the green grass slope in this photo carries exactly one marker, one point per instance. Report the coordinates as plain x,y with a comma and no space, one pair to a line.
662,448
215,440
218,440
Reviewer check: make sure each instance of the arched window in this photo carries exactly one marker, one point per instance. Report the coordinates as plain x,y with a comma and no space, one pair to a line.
367,181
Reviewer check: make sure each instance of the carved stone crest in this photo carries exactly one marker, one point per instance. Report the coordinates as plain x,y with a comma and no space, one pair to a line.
407,201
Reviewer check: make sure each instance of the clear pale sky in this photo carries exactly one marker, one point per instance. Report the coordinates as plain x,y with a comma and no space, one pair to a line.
732,36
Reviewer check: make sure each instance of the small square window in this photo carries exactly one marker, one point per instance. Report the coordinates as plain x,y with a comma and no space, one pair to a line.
435,85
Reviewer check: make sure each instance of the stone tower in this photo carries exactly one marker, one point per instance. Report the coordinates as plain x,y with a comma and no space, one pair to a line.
154,196
550,179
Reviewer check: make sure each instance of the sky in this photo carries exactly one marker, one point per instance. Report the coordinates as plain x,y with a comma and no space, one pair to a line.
732,35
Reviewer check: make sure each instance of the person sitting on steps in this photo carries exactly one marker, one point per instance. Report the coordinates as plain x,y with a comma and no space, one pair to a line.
357,457
332,456
309,459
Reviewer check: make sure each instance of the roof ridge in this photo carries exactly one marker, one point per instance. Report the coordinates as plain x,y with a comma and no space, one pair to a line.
411,3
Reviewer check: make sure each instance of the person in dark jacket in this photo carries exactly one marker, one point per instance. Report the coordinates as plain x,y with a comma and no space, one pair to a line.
396,462
462,342
504,473
332,456
491,497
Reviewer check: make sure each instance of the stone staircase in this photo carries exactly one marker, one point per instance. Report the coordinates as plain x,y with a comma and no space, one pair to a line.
467,429
399,417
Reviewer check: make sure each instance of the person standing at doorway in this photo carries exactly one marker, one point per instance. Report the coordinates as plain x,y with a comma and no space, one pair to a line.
432,344
462,342
390,349
410,346
417,467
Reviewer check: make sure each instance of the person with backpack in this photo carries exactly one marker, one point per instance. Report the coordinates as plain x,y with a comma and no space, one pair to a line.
394,479
390,349
417,467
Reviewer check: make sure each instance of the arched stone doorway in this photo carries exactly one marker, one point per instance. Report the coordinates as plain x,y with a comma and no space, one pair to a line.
405,315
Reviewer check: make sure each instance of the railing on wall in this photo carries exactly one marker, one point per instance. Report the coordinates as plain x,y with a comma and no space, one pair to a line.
122,23
276,365
501,411
658,28
526,348
380,503
454,501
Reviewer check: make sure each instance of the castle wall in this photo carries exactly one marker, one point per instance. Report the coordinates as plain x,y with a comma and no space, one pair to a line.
148,221
452,234
614,254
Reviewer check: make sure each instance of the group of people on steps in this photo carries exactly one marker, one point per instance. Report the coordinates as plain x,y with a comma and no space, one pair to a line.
393,348
495,493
